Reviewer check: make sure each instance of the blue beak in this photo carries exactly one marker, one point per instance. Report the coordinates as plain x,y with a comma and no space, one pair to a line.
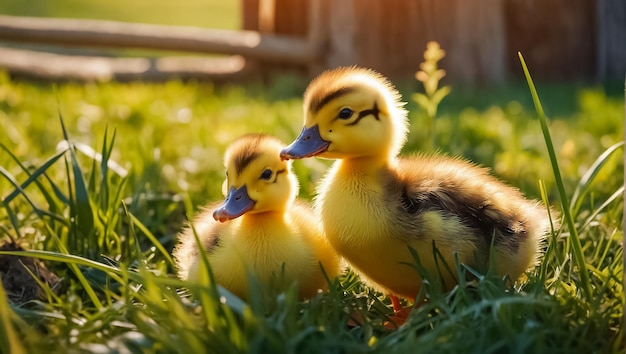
236,204
308,143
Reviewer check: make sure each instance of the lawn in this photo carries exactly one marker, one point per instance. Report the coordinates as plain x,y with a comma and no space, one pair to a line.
107,229
101,214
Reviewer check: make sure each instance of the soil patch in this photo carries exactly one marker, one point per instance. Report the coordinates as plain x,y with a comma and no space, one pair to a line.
18,283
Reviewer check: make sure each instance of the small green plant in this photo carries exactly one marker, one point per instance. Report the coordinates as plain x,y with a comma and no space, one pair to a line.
573,236
430,75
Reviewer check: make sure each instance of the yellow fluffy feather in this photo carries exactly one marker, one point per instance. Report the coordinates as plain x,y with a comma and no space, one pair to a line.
260,227
374,204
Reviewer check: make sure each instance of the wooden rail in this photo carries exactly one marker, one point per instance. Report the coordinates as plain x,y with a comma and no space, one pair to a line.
91,33
51,66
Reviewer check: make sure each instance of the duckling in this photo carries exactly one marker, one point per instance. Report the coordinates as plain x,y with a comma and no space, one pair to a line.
374,205
260,227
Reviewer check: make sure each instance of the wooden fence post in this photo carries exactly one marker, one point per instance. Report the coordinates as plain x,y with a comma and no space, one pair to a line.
478,53
341,41
611,57
317,35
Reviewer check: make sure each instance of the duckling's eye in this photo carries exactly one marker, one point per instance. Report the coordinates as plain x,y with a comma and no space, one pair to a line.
266,175
345,113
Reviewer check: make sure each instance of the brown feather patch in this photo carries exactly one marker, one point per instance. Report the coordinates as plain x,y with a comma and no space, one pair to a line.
246,149
319,102
244,159
463,190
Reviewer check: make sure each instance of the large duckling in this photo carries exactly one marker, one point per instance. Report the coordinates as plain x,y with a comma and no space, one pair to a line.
260,227
374,204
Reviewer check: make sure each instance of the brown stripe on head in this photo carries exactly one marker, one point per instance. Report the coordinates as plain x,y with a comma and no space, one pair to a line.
249,147
318,102
244,159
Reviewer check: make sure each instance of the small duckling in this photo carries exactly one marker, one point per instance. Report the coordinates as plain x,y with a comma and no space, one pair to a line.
374,204
260,227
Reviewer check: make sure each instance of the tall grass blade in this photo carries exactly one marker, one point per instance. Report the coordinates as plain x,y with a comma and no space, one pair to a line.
34,176
118,274
84,212
59,194
104,170
73,266
574,239
151,237
582,188
618,193
131,248
94,155
50,295
10,342
623,339
73,260
73,241
12,216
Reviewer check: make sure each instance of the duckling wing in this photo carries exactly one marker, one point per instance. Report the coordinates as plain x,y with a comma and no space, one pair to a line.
467,194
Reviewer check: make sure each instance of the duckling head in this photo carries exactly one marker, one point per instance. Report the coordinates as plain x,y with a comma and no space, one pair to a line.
350,112
257,180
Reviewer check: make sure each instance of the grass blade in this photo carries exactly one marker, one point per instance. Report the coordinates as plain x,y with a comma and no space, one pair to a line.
618,193
84,212
104,171
9,343
592,172
12,217
574,239
151,237
108,269
624,226
39,212
89,152
35,175
72,260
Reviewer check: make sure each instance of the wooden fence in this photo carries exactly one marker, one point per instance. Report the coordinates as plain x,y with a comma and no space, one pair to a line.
560,39
110,34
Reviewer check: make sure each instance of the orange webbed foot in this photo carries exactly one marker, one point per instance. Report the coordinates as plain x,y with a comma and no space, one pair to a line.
400,313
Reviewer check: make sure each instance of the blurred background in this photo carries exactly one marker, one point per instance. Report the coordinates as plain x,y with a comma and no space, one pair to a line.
560,39
199,52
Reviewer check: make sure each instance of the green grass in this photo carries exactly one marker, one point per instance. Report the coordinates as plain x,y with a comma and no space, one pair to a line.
106,224
202,13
